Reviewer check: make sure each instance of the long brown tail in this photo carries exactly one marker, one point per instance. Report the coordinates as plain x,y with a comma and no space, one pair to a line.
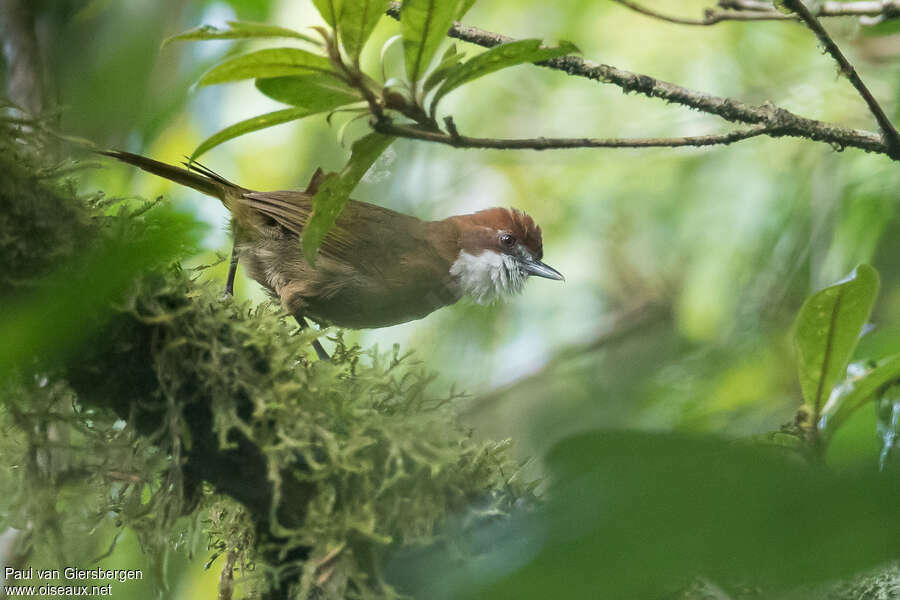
195,176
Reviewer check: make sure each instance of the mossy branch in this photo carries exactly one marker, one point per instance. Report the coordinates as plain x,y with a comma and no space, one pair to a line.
334,463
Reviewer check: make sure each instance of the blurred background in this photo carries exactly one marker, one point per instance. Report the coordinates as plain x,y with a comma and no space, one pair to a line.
685,267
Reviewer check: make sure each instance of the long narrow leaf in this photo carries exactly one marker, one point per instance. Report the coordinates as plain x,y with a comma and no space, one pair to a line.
330,10
238,30
316,91
334,192
253,124
271,62
827,331
449,60
423,23
357,21
497,58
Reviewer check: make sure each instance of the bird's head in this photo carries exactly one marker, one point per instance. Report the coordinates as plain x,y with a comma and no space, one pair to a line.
499,248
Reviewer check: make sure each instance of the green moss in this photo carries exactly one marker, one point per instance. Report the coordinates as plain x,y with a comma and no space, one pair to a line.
383,461
41,219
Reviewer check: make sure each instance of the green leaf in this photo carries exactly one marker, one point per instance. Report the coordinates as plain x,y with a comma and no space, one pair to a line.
330,10
634,515
856,391
239,30
450,59
271,62
357,21
354,20
253,124
497,58
423,23
334,192
827,331
315,91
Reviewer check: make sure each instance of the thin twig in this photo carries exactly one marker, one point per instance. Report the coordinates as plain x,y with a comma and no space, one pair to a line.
778,121
892,138
710,16
457,140
875,11
660,16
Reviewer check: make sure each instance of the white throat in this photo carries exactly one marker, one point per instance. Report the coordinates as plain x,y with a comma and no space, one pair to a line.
489,276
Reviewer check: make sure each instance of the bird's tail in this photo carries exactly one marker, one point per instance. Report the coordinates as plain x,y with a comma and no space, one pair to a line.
195,176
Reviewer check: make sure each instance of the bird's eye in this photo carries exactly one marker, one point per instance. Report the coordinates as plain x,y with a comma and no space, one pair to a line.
507,240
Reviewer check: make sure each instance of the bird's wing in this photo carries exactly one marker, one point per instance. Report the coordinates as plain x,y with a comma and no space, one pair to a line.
292,210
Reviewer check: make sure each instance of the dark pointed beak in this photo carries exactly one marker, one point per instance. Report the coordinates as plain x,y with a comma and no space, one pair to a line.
533,266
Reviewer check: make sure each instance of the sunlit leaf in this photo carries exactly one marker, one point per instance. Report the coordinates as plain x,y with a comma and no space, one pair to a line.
334,192
239,30
48,324
316,91
357,20
271,62
856,391
253,124
423,23
827,330
450,59
497,58
633,515
330,10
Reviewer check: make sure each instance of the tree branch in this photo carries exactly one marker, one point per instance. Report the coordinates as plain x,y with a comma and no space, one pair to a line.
779,122
751,5
455,139
870,11
892,138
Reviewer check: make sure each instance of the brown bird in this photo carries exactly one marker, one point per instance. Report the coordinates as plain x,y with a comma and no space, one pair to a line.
376,267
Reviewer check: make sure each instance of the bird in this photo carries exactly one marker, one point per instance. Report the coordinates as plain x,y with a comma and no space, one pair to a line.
376,267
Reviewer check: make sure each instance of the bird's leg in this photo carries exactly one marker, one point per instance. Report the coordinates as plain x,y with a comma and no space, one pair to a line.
232,270
320,351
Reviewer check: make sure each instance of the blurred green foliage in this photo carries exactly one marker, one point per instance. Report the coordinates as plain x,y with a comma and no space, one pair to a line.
665,507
